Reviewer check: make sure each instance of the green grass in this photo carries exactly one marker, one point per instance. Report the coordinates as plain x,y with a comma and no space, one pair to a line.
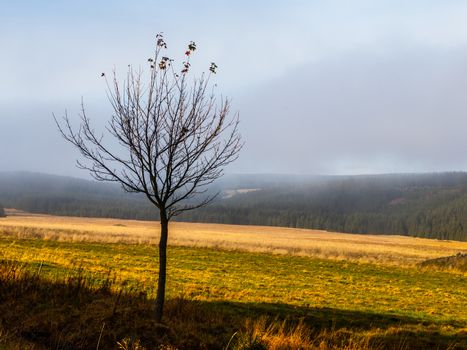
206,274
326,294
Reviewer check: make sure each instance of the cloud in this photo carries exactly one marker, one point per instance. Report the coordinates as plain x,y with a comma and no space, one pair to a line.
402,111
322,87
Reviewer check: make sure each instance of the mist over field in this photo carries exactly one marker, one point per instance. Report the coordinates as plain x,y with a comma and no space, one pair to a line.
420,205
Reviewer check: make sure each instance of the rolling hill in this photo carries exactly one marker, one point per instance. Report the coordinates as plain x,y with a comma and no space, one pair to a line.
422,205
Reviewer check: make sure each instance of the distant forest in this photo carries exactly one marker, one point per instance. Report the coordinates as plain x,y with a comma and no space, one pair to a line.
422,205
2,212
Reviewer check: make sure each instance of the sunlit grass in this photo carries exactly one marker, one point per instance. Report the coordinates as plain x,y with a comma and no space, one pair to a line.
367,292
207,274
393,250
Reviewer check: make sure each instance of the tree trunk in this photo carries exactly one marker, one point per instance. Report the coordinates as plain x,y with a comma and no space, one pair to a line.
160,298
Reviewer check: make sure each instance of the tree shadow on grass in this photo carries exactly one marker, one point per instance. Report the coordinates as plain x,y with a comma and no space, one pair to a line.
387,331
76,313
322,317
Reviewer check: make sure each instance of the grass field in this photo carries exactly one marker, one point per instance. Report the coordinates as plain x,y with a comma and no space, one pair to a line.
398,250
337,290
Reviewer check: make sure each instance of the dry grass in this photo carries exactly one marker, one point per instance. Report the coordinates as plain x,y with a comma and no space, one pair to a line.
266,334
275,335
56,294
76,312
394,250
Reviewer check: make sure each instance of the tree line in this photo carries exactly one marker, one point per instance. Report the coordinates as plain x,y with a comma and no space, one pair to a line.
428,205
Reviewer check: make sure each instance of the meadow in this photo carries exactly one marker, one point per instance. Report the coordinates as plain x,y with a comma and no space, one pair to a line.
381,249
233,287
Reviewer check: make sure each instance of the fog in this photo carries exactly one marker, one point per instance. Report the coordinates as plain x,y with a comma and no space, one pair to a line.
322,88
364,114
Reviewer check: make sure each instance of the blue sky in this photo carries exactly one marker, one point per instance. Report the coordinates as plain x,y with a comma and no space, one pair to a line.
333,87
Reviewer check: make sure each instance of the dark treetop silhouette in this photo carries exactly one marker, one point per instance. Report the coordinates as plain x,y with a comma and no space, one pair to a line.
174,139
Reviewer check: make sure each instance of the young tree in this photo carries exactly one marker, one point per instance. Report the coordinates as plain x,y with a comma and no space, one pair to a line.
175,138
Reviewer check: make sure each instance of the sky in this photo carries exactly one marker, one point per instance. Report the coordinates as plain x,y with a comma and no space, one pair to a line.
321,87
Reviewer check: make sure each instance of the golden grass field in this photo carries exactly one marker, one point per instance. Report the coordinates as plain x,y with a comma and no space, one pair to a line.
398,250
334,290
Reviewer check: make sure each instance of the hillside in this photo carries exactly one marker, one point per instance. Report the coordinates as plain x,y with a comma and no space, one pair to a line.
422,205
51,194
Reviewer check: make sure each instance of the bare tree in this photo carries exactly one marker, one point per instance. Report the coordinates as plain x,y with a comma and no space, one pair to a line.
174,139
